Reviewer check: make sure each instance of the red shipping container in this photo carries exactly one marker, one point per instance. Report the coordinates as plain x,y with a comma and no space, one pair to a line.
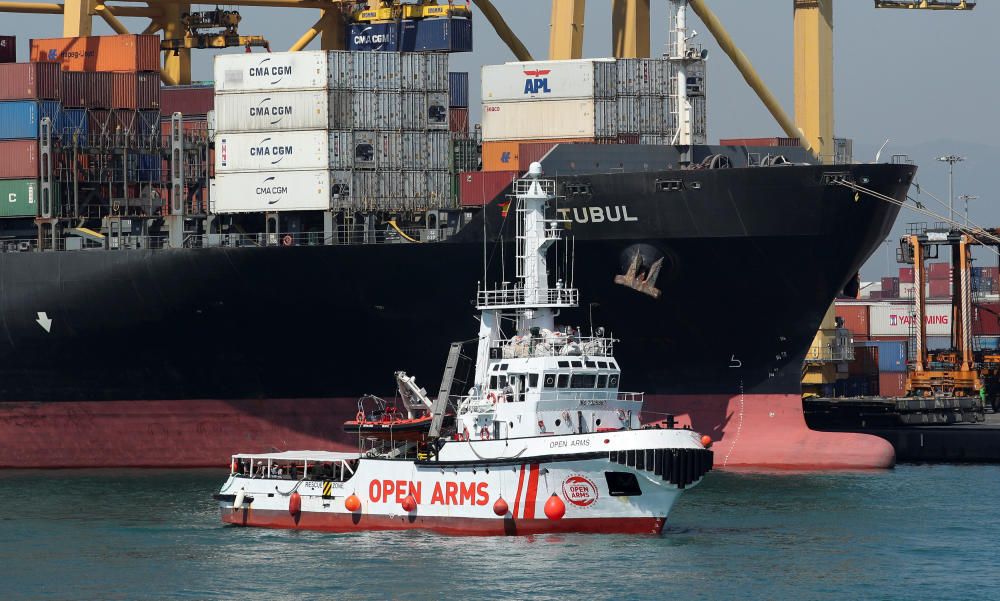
938,271
940,288
476,188
986,319
627,139
20,159
458,120
759,142
30,81
136,91
8,49
100,52
855,318
891,384
86,90
905,275
187,100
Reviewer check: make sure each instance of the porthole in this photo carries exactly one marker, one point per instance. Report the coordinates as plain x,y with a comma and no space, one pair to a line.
558,421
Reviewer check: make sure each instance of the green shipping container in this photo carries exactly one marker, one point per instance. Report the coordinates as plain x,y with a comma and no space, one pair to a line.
19,197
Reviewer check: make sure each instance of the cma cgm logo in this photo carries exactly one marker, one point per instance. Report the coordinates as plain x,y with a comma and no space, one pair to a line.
537,82
267,149
269,188
267,69
276,112
905,320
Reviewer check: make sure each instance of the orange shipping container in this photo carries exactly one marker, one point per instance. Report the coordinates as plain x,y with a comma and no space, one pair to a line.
100,53
855,318
506,155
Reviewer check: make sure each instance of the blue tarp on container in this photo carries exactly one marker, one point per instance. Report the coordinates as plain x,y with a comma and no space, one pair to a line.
458,89
20,119
71,121
891,354
436,35
382,37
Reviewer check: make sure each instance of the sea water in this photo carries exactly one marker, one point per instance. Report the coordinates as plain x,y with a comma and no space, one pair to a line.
916,532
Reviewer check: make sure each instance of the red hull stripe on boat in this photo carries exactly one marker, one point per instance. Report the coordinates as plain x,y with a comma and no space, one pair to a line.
343,522
529,501
520,482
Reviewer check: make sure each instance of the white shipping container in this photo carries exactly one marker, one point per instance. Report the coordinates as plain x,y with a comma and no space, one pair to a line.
888,319
300,110
376,71
542,120
377,110
271,71
628,108
279,150
341,150
549,80
270,191
424,72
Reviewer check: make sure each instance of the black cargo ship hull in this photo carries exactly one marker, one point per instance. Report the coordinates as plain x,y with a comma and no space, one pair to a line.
749,260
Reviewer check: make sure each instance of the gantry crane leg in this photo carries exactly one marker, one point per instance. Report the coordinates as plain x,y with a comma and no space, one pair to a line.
566,29
77,18
331,35
813,20
176,63
630,28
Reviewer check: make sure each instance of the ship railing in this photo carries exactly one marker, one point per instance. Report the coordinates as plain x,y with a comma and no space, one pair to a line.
510,297
557,344
341,235
523,186
830,353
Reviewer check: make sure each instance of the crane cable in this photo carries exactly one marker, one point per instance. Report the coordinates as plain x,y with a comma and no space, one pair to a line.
971,232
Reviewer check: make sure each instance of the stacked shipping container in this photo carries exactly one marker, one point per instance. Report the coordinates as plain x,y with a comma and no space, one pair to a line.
332,130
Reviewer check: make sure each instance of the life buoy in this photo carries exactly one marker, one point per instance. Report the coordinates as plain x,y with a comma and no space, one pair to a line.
286,240
484,433
621,414
360,416
492,398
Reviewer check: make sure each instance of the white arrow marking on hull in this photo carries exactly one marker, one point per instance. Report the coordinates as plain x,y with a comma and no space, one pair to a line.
44,321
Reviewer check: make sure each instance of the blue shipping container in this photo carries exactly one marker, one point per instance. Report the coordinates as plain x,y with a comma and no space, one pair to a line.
436,35
891,354
458,89
20,119
71,121
988,343
382,37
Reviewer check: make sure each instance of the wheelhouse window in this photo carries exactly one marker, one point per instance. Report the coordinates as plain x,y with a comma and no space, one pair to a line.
532,380
602,364
583,381
602,381
577,363
563,380
549,380
564,364
589,364
493,382
613,381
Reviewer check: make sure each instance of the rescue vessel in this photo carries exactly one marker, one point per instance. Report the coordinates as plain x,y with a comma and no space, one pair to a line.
544,440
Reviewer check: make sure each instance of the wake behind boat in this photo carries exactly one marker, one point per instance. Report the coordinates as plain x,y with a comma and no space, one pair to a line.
543,442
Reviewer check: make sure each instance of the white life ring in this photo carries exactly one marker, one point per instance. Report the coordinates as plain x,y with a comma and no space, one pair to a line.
492,398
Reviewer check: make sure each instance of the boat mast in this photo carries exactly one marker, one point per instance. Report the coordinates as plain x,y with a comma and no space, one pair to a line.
533,298
678,55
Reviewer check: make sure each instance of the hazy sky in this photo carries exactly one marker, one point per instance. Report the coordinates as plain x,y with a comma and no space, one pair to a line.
927,80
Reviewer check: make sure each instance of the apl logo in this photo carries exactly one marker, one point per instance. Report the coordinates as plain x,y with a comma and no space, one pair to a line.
505,157
580,491
537,82
53,55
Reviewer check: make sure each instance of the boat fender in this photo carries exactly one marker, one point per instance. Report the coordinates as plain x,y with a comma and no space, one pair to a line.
706,441
484,433
286,240
352,503
295,504
500,507
360,417
555,509
409,504
492,398
240,496
621,414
